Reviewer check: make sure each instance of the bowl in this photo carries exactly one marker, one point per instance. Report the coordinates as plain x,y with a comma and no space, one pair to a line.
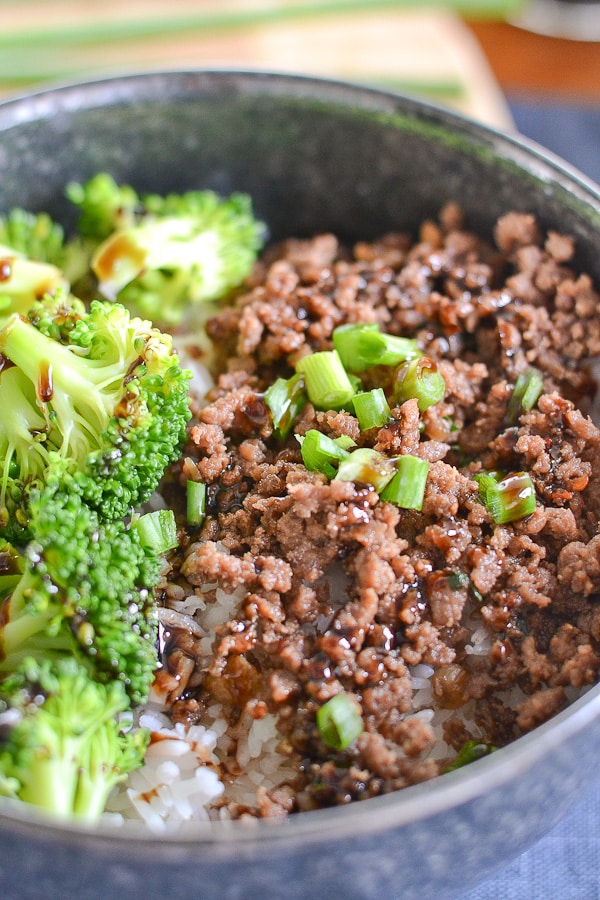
315,155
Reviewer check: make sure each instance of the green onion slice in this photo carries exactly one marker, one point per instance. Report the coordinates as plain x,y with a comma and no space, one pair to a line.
327,382
345,441
420,380
321,453
285,398
526,393
355,382
371,409
458,581
470,752
339,721
196,502
366,466
407,487
157,531
362,345
508,499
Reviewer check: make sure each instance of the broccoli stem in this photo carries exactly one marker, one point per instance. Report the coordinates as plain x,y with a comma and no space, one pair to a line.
32,351
30,625
28,633
21,423
52,781
64,382
102,767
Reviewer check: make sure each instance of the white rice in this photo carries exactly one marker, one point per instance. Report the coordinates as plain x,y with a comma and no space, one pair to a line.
480,643
179,778
183,778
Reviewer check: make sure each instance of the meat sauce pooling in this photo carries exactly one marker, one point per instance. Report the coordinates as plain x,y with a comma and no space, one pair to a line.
344,592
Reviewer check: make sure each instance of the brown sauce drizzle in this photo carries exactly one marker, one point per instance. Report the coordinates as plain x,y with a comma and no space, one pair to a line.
115,251
5,363
45,385
5,268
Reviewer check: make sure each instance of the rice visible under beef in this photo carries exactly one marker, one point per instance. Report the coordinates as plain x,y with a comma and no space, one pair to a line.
446,627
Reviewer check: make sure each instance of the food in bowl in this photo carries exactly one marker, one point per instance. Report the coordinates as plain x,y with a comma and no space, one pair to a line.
387,529
448,608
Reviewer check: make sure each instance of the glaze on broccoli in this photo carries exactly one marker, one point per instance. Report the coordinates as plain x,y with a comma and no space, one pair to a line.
99,389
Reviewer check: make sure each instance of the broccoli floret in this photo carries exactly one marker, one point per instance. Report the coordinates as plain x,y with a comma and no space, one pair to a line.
34,235
23,281
85,589
36,257
104,206
100,389
78,649
62,744
165,256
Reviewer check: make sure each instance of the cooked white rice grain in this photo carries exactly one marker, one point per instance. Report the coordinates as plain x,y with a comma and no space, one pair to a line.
480,643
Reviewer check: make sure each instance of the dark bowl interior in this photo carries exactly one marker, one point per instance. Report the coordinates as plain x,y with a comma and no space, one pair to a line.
315,155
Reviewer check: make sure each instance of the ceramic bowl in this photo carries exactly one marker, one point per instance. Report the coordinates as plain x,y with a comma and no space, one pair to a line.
315,155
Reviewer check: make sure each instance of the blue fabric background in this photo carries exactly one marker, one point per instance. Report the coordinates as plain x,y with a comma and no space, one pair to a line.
573,132
564,865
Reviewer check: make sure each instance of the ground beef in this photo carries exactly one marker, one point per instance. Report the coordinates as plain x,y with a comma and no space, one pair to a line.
344,592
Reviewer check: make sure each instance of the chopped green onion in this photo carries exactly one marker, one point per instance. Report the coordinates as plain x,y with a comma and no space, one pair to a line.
458,581
371,409
285,398
362,345
340,721
451,424
348,339
345,441
157,531
508,499
486,481
366,466
355,382
407,487
327,382
420,380
470,752
196,502
321,454
526,393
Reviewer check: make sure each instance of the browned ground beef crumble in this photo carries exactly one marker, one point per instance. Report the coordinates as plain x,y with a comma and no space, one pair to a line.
484,314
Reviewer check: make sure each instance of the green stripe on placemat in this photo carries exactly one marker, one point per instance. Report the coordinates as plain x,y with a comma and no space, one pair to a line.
94,32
